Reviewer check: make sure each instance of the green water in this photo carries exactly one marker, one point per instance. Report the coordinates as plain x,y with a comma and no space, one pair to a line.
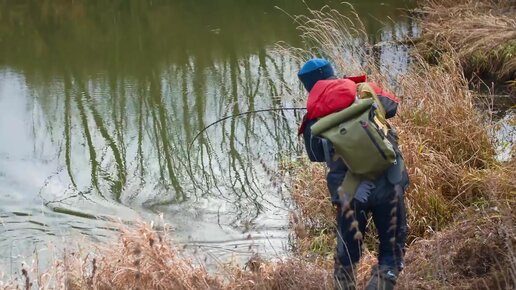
100,100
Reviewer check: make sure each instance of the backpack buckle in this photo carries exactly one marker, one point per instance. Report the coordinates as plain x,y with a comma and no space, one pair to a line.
342,129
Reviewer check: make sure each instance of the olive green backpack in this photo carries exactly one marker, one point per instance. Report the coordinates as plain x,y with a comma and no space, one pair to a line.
359,136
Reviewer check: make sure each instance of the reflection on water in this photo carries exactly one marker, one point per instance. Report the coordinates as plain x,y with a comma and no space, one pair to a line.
100,102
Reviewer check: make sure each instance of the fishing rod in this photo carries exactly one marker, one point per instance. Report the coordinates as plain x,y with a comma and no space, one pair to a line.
230,117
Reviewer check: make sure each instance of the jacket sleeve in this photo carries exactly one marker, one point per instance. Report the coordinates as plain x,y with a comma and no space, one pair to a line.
390,106
313,144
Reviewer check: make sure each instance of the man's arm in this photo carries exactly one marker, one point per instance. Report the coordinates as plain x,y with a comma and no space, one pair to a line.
313,144
390,106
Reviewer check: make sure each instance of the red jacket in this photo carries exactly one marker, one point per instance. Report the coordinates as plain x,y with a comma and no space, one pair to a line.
330,96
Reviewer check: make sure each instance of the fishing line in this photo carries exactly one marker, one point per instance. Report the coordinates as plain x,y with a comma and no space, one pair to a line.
230,117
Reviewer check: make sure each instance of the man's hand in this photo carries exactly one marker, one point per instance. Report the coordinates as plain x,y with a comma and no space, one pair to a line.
364,190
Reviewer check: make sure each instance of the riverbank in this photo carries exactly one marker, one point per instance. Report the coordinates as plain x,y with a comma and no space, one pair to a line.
461,198
147,258
460,201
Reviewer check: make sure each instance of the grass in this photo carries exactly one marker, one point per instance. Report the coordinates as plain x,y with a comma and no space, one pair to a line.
445,140
475,253
313,221
146,258
448,151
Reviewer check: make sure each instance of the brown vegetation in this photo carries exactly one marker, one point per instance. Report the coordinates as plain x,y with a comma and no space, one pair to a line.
313,221
475,253
141,259
482,33
445,143
145,258
455,178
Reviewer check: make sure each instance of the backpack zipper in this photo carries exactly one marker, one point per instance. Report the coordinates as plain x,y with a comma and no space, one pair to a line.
365,126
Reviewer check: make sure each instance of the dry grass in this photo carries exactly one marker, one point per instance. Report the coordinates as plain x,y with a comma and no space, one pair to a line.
446,145
313,221
341,38
483,33
288,274
476,253
146,258
444,137
142,258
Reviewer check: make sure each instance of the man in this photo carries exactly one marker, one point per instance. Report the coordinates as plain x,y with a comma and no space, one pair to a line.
382,196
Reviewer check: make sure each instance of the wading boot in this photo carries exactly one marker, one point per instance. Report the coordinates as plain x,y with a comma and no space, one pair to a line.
382,278
344,278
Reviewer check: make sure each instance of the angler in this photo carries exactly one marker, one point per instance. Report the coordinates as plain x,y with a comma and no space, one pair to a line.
345,126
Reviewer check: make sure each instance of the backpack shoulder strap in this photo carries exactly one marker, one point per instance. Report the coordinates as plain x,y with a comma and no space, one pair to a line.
365,91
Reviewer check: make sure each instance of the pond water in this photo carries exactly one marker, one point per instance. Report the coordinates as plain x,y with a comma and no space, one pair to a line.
100,102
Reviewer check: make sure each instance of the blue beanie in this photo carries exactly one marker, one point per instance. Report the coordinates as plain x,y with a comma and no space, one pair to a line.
314,70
